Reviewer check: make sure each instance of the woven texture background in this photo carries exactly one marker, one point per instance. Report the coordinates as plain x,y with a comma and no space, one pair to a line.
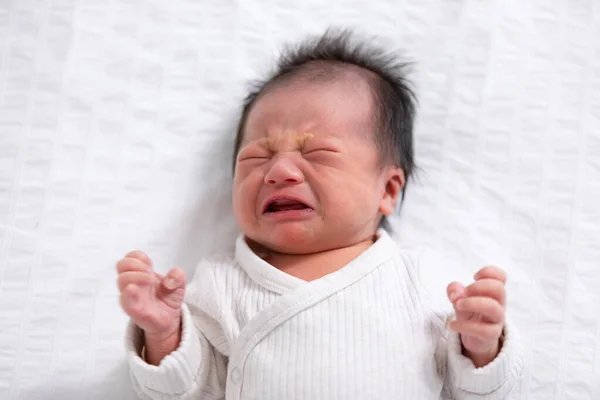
116,121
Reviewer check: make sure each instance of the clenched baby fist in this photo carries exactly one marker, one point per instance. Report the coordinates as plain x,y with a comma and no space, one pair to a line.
153,302
480,314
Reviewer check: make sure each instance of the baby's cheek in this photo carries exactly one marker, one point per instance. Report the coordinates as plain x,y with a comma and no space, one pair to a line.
241,174
347,204
244,198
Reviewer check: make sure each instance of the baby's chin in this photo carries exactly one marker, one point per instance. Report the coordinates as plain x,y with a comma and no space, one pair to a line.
290,240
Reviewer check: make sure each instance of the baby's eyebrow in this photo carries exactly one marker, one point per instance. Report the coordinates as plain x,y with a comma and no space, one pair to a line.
305,137
265,142
271,143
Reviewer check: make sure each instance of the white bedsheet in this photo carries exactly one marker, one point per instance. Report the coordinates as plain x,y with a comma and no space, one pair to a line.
116,125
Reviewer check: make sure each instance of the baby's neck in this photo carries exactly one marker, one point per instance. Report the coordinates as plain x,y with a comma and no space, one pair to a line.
310,267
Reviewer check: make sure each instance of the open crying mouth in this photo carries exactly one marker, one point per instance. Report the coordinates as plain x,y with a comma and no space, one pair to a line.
285,205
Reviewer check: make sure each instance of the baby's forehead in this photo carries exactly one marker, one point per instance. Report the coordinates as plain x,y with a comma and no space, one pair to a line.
311,111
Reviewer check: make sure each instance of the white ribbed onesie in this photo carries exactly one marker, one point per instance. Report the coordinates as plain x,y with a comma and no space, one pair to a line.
375,329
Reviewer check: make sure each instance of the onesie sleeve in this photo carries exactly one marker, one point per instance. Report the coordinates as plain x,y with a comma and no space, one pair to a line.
495,381
196,369
462,380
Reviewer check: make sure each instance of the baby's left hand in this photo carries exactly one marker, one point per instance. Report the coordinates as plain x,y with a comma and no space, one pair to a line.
480,314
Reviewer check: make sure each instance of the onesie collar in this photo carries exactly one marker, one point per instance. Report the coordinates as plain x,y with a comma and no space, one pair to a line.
279,282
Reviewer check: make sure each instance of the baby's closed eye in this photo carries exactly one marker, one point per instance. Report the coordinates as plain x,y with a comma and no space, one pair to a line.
319,152
254,153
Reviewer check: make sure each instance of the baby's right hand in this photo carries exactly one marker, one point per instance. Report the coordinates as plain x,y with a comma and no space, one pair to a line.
151,300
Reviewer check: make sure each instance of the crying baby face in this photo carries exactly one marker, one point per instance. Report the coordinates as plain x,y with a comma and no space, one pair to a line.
308,175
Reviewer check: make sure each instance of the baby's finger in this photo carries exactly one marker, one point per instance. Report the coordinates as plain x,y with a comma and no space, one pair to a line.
172,289
487,307
134,278
455,292
481,330
491,273
488,288
139,255
132,264
130,299
174,279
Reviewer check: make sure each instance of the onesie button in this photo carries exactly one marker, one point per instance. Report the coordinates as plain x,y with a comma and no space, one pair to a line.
236,375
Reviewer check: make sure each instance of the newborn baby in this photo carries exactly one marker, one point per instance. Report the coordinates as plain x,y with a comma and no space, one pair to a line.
318,301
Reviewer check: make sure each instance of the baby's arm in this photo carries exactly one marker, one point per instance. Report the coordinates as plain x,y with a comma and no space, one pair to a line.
480,358
178,361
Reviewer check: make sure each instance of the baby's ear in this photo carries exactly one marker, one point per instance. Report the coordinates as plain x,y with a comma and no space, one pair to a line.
394,183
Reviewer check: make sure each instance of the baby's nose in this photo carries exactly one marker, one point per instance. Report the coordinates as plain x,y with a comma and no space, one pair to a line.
284,171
